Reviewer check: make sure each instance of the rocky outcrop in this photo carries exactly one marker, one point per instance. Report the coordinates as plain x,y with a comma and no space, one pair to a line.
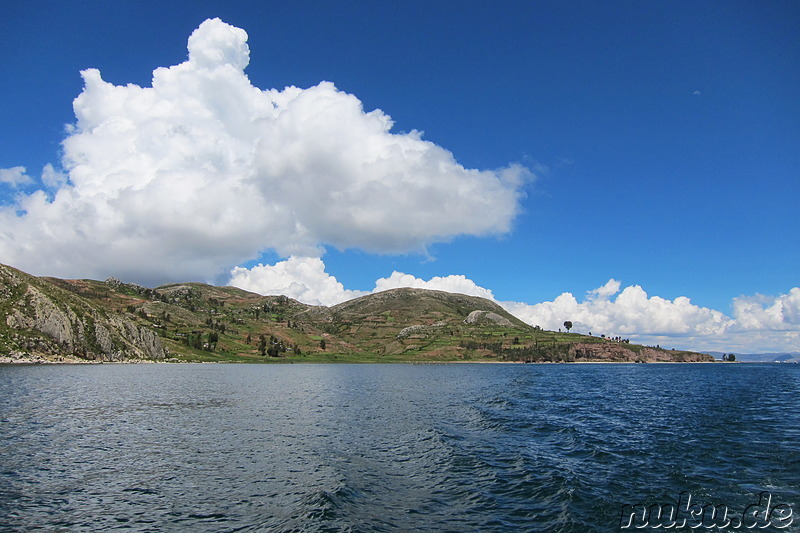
420,329
487,317
42,314
144,340
43,321
617,352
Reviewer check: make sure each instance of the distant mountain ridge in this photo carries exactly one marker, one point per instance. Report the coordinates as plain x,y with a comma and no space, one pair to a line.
772,357
50,320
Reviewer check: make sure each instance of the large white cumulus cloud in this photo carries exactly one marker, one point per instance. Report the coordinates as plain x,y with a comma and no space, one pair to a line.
203,171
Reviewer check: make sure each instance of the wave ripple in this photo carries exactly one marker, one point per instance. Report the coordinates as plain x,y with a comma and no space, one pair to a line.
387,447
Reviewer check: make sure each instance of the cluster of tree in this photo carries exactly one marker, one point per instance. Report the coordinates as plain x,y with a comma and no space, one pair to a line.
195,339
276,307
728,357
616,339
215,325
274,346
494,347
335,327
266,309
535,353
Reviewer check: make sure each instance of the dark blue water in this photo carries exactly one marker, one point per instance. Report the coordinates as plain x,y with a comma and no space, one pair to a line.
388,447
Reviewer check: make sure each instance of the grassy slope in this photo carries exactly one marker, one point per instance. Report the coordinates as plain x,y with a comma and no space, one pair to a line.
361,330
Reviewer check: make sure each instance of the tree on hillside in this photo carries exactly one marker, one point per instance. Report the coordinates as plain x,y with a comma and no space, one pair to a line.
568,325
213,339
262,344
197,340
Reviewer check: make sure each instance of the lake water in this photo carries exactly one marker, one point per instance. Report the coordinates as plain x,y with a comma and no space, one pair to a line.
461,447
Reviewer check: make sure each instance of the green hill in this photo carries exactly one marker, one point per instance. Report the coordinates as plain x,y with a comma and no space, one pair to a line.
49,319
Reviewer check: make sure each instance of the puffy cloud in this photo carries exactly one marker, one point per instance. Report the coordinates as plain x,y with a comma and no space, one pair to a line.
632,312
453,283
215,44
305,280
603,293
203,171
760,312
759,323
14,176
301,278
51,178
18,176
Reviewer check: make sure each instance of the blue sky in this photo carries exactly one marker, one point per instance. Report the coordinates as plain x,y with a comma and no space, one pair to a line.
657,145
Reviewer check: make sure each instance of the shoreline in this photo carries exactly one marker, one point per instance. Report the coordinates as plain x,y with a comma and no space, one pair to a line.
74,361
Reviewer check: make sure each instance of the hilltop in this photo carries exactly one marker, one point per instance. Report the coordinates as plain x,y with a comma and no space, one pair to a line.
50,319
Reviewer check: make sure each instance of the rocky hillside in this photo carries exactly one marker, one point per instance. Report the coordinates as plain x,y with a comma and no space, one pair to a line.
41,321
48,319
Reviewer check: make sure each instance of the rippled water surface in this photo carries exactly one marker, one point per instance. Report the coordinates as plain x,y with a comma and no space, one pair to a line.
388,447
